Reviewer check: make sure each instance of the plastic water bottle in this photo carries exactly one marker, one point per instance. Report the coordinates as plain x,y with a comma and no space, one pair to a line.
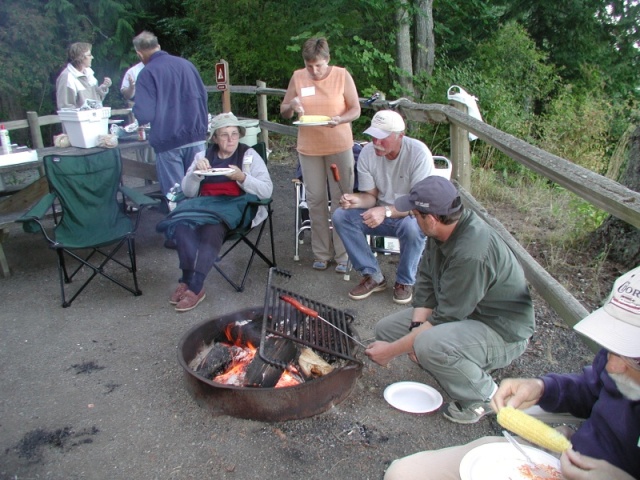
6,141
172,196
247,160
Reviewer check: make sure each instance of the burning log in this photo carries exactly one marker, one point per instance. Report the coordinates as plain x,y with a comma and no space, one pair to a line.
244,332
216,361
261,373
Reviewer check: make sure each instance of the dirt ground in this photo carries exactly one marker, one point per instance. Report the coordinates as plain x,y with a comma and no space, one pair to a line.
95,391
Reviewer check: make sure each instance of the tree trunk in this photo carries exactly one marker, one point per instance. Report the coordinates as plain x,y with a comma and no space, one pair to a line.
621,239
425,41
403,48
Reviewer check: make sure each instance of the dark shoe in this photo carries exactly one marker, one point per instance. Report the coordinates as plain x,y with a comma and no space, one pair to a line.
171,244
189,301
178,294
471,414
402,294
367,287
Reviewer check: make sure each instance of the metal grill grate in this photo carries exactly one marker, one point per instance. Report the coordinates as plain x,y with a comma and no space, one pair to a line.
283,319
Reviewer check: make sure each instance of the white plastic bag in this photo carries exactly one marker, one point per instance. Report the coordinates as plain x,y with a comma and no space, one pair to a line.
467,99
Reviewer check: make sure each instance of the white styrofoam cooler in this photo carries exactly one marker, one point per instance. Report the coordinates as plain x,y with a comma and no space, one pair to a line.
85,126
252,129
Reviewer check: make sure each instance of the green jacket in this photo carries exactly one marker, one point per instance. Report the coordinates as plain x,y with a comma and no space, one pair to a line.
475,275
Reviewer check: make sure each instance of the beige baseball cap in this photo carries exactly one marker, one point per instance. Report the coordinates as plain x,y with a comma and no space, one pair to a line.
616,326
384,123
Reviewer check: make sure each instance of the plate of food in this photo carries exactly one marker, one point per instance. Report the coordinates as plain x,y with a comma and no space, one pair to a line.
212,172
413,397
500,460
313,120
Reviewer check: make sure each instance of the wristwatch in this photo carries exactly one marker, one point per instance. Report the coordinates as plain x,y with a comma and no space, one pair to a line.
387,212
414,325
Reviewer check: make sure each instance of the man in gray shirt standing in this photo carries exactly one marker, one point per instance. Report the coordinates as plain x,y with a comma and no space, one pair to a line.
471,312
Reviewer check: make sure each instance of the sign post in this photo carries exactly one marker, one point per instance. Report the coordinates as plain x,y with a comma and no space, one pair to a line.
222,82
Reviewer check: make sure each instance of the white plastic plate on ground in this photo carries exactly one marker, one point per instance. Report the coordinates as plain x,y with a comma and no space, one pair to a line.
213,172
310,124
413,397
501,460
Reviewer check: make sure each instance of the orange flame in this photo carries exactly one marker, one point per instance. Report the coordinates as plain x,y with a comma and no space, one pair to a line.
242,355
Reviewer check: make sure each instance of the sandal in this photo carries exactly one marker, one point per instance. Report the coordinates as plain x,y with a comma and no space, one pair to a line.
320,264
341,268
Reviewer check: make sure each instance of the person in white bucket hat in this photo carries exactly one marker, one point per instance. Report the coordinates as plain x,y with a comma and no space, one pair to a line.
606,394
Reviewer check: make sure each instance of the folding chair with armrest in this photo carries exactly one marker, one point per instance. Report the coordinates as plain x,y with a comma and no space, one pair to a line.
89,205
302,220
241,234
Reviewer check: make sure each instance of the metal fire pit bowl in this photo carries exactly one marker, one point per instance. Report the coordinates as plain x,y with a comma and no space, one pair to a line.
266,404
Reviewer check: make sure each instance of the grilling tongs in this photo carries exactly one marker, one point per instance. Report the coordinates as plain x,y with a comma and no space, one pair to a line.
313,314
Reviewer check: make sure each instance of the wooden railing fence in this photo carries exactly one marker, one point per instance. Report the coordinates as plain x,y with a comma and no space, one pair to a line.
602,192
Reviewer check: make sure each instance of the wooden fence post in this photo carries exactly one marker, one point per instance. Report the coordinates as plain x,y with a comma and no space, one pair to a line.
262,113
34,129
460,151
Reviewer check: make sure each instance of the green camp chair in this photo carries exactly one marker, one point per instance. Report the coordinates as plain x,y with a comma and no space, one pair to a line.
241,234
91,217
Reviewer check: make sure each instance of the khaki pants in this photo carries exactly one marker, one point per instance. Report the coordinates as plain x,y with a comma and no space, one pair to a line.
316,172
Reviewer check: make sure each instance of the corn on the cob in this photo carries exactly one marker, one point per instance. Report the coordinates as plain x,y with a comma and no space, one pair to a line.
532,429
314,118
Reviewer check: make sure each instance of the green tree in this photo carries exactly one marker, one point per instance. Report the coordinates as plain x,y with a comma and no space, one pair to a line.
27,81
28,60
585,34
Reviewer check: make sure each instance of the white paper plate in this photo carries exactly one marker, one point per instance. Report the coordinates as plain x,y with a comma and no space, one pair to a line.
413,397
310,124
213,172
495,461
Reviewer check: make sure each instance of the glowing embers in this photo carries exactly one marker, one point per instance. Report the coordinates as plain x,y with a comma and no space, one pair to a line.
233,359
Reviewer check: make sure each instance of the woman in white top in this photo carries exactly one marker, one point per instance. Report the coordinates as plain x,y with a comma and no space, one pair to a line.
76,83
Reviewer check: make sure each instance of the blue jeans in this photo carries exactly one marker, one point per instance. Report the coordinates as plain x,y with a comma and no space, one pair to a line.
352,230
460,355
173,164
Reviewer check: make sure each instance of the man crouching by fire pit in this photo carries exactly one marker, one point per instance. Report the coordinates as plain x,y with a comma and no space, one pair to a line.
218,184
471,312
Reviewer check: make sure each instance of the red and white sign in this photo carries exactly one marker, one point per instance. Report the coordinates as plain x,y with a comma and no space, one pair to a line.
221,75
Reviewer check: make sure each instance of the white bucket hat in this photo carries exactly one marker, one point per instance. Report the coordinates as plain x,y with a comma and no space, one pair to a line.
226,120
616,326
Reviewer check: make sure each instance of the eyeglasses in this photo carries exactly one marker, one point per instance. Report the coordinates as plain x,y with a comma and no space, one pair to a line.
228,136
414,213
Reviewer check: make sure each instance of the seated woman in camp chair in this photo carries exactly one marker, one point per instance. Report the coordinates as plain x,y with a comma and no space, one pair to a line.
217,186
